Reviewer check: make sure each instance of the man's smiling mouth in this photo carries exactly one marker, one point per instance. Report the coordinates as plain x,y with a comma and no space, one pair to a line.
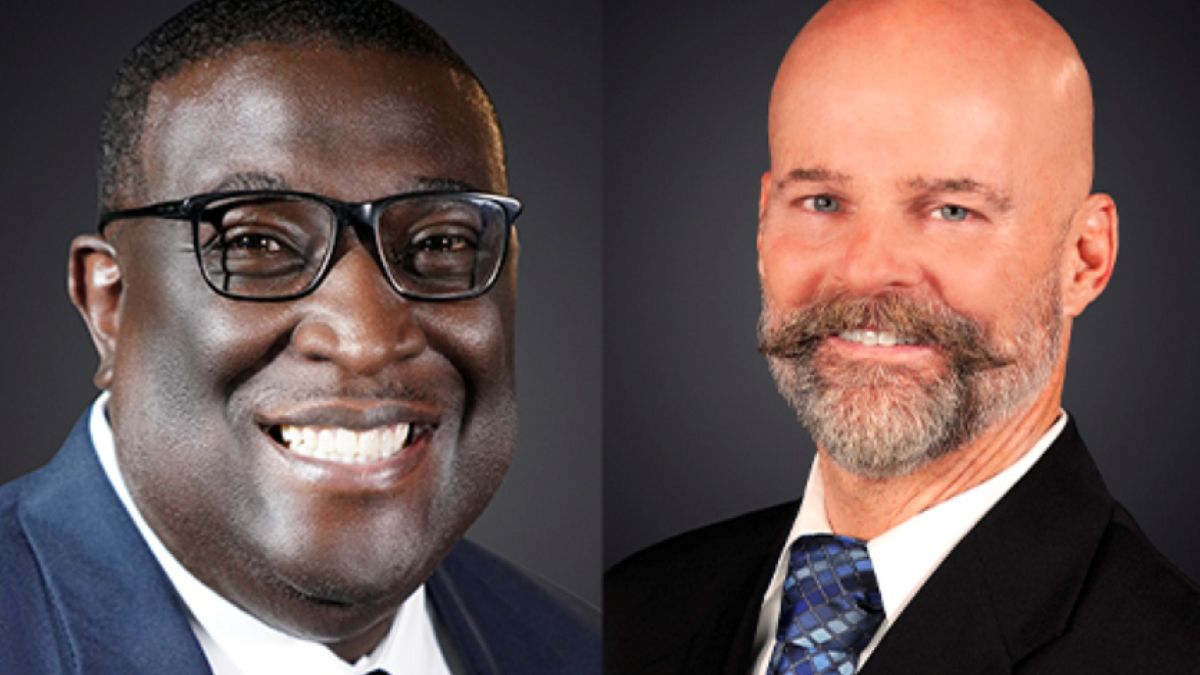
876,338
348,446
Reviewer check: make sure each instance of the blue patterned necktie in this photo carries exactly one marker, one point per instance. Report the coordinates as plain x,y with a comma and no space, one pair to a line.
831,607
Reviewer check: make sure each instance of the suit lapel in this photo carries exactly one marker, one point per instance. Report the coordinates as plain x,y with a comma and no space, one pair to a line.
748,563
1011,584
462,639
116,609
496,620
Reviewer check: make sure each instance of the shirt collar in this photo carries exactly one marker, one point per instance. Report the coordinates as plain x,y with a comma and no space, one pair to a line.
905,556
236,642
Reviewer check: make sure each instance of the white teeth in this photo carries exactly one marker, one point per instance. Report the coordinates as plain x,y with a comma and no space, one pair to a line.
345,445
369,446
873,338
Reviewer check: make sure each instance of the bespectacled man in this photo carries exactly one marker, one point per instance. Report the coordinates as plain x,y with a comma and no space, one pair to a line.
927,235
302,294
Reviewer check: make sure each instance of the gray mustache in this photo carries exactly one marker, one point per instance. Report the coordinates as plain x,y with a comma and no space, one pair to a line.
927,323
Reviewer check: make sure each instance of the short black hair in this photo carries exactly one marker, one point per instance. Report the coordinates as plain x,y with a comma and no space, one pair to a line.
210,28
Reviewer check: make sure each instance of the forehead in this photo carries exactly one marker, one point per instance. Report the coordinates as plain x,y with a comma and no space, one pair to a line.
353,124
898,106
894,121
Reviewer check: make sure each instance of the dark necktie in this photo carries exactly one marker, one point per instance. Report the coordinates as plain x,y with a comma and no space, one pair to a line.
831,607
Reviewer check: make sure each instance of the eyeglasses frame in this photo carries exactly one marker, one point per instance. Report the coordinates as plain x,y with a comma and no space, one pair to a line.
359,215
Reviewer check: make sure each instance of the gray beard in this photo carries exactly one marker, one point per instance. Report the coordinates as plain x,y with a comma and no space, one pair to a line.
880,421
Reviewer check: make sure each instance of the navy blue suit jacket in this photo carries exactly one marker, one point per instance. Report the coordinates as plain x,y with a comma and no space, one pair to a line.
80,592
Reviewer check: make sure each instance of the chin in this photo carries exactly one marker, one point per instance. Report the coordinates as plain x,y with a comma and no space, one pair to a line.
339,601
340,578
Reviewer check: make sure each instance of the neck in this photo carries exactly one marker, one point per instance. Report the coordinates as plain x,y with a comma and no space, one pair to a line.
865,508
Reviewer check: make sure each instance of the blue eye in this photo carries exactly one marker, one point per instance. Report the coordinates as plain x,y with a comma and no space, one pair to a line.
952,213
822,204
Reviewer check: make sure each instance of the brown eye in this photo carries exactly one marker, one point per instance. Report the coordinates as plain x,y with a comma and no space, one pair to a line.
253,243
447,243
442,252
442,245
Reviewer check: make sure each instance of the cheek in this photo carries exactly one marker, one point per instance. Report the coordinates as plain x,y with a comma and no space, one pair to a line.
994,283
183,348
972,283
476,336
789,270
207,351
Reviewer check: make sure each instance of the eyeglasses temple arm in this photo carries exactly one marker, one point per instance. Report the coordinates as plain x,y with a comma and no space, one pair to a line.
170,210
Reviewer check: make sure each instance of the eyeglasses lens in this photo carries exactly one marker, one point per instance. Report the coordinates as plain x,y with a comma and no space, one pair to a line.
441,246
264,247
273,246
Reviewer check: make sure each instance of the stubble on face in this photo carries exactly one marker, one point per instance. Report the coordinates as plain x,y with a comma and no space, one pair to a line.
879,420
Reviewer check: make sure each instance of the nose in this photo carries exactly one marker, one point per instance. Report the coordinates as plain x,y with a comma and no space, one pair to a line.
356,320
877,255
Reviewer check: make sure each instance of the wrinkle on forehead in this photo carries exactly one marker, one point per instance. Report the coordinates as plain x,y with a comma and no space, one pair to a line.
1009,54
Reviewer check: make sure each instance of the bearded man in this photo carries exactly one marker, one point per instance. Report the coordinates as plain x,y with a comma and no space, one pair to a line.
927,235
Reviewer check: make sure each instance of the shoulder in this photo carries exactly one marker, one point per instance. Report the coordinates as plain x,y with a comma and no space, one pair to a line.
701,552
702,582
1136,611
521,618
29,628
1128,563
1133,593
16,558
17,561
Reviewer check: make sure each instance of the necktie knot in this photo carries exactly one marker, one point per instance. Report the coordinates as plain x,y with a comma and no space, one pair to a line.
831,607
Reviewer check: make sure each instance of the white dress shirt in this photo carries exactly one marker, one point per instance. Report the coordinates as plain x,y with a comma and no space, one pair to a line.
905,556
236,643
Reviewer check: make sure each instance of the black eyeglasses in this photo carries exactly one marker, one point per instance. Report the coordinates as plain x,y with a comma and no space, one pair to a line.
277,245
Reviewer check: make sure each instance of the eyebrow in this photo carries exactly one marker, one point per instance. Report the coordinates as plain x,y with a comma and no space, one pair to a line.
253,180
814,174
447,184
997,198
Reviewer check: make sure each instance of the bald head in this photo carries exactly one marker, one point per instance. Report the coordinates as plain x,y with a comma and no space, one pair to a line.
1000,74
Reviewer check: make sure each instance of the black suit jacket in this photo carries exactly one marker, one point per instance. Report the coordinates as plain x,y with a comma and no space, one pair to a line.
1056,578
81,593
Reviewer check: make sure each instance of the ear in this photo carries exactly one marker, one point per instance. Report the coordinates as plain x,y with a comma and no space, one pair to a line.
511,272
514,247
764,197
94,282
764,194
1090,252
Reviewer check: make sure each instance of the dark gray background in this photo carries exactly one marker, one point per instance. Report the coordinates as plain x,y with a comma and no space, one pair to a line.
694,430
540,60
